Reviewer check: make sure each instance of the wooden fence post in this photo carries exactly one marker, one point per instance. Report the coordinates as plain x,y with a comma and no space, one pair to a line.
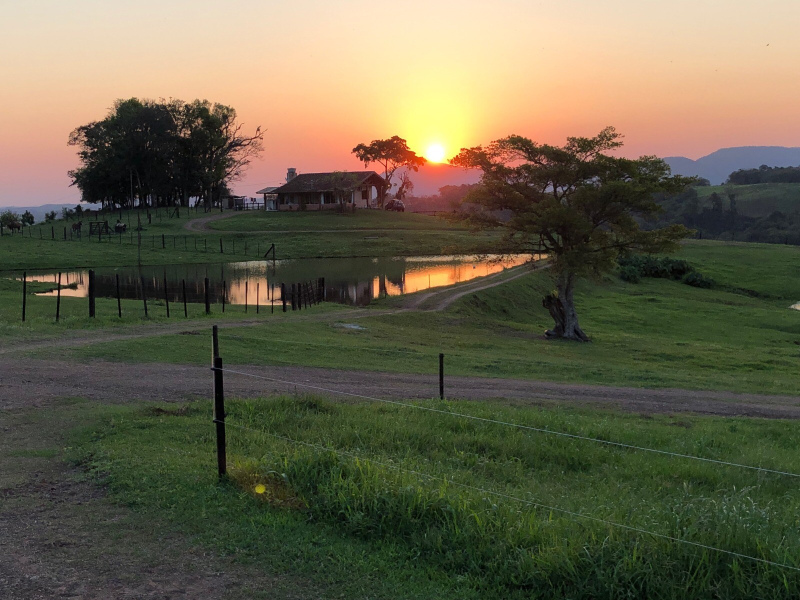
246,285
224,293
219,418
144,296
208,300
24,293
166,295
163,241
283,296
91,293
58,299
441,376
119,299
220,246
258,290
185,308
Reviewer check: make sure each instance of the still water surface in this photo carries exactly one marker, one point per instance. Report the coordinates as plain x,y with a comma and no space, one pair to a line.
354,281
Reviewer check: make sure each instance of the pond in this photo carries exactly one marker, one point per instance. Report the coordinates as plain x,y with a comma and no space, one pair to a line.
354,281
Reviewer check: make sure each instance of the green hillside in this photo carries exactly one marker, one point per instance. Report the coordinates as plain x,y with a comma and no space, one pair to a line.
757,200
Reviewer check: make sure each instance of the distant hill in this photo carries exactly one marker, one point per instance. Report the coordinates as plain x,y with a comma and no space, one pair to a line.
38,211
718,165
433,176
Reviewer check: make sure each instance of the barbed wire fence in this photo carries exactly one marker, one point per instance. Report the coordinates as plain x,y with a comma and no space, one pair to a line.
221,422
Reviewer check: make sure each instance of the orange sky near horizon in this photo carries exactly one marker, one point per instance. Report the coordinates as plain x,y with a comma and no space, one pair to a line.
676,78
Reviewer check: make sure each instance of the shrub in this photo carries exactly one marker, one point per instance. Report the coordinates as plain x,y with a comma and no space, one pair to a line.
630,274
633,267
696,279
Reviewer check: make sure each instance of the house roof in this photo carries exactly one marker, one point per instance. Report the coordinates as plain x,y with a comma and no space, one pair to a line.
267,190
327,182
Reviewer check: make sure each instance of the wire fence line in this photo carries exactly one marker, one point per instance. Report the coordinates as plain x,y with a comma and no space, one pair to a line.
533,503
513,425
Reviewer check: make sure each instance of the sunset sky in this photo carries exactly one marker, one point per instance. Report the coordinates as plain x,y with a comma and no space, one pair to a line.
677,77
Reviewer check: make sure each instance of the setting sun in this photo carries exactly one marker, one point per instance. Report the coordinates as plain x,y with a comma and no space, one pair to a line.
435,153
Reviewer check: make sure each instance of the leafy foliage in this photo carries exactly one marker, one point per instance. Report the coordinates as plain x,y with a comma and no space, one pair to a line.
391,154
9,218
161,152
575,203
633,268
765,174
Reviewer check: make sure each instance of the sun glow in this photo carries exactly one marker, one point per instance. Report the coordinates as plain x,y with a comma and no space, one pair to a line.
435,153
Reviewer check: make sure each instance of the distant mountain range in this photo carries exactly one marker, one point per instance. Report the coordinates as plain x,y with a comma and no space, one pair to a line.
433,176
718,165
715,167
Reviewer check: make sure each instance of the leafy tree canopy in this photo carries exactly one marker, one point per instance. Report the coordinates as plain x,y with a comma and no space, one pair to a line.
161,152
575,203
391,154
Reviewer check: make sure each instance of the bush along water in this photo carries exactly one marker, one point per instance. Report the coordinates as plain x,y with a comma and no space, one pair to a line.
634,267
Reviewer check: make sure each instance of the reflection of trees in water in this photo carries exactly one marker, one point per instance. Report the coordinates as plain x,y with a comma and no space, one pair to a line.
349,281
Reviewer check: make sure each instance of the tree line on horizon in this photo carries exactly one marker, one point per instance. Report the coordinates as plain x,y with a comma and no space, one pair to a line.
161,153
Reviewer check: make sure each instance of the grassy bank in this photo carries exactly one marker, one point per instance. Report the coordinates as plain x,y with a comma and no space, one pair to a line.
657,333
394,523
241,236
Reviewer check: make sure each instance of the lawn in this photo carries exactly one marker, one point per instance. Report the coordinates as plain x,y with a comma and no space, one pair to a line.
306,221
739,336
386,501
166,241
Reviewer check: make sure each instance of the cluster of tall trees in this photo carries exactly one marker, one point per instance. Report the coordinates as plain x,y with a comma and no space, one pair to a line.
765,174
161,153
717,216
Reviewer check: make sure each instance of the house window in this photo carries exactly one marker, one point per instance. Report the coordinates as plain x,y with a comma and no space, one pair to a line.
365,193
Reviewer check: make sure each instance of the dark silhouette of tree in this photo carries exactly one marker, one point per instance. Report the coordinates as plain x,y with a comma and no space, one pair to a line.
576,203
27,218
391,154
161,152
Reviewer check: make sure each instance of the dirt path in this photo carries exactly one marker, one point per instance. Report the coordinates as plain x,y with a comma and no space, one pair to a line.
201,225
38,383
61,538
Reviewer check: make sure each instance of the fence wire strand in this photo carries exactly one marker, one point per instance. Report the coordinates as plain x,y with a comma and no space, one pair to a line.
533,503
516,425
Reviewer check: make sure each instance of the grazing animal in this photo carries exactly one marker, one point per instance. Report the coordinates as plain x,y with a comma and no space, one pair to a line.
76,227
12,227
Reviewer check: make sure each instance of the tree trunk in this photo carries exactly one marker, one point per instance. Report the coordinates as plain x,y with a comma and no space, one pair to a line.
562,308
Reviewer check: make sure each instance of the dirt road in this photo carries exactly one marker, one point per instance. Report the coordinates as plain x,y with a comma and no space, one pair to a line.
37,383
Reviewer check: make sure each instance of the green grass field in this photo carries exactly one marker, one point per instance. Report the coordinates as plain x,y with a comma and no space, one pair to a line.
363,219
368,500
741,336
166,241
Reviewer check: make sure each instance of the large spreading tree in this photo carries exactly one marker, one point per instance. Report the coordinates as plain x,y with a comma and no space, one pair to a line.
391,154
575,203
161,153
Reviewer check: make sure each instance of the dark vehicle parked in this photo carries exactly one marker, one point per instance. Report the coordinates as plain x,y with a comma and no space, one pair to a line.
395,205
